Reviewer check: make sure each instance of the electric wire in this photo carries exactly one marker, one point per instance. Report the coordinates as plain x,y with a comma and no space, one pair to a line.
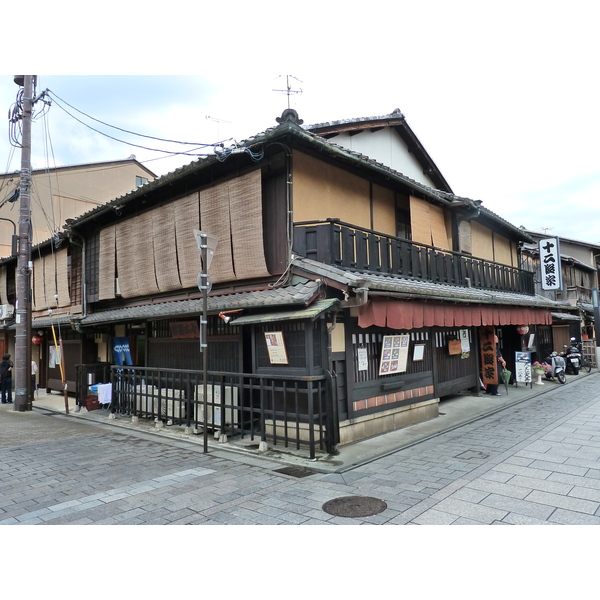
169,152
150,137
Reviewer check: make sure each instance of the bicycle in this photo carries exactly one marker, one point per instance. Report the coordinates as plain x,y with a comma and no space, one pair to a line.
586,364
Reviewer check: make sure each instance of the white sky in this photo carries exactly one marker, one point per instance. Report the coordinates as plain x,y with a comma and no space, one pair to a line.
504,96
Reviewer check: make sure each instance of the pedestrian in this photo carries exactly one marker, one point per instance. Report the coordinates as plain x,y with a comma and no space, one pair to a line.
6,367
492,388
34,370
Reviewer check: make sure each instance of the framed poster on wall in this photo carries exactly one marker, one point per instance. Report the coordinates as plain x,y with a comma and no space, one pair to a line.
394,354
276,348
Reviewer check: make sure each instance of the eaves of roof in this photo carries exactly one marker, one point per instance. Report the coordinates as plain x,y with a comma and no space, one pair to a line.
291,133
418,289
300,294
537,235
75,167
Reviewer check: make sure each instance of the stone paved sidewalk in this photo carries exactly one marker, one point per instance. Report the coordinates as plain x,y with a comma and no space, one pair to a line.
537,462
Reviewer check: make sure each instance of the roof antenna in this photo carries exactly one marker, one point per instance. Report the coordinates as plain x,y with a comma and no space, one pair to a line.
289,91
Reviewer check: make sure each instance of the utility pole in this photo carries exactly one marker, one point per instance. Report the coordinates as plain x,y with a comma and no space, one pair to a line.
23,314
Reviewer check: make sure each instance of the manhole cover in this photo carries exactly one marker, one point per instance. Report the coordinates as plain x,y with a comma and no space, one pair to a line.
295,471
354,506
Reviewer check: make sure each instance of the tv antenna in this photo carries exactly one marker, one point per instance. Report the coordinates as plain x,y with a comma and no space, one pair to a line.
546,229
289,91
218,122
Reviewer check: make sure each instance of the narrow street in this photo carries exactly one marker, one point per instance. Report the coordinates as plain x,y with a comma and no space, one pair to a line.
533,463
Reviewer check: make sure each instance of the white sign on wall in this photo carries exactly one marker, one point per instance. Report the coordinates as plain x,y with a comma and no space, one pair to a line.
549,249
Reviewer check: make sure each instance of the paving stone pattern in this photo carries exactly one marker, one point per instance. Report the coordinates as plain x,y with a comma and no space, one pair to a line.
534,463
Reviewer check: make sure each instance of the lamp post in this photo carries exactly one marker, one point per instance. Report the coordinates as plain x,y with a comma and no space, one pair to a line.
207,244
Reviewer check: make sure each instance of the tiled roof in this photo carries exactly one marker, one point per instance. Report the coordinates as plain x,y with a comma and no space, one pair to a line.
300,294
425,290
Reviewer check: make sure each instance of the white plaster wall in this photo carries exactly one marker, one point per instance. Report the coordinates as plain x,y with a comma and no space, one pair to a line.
386,147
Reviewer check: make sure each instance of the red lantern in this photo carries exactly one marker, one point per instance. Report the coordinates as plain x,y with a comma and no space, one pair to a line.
522,329
37,340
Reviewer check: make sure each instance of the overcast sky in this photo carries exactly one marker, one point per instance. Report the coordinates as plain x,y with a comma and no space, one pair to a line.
504,96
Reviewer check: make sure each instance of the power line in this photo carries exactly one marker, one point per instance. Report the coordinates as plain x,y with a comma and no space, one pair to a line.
198,145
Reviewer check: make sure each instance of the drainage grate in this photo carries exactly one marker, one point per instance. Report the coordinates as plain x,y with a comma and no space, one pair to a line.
295,471
354,506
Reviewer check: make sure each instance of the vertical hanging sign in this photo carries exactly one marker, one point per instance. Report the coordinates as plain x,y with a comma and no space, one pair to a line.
489,364
550,264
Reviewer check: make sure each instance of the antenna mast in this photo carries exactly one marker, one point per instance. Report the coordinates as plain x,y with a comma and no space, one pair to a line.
289,91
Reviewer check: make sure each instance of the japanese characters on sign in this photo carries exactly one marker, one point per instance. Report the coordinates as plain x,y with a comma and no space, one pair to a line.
276,348
489,362
523,367
551,275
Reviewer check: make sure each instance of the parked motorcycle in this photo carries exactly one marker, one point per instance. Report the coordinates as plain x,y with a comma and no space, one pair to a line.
557,368
572,356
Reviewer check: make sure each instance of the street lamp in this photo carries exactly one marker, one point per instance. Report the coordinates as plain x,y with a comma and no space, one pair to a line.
207,244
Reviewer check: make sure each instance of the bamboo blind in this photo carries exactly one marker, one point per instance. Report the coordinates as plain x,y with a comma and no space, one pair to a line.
3,289
245,207
39,291
50,280
62,277
142,257
427,223
125,246
215,219
187,218
106,264
165,248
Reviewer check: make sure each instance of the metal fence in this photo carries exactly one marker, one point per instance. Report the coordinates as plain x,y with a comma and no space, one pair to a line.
288,411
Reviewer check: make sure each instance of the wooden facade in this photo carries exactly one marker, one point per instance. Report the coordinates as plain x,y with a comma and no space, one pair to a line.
293,195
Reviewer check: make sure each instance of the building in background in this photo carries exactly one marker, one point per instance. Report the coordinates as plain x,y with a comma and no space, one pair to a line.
63,193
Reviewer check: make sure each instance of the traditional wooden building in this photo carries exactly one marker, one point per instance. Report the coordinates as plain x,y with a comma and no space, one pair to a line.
347,297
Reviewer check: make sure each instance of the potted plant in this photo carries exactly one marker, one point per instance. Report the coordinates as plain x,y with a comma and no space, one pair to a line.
540,368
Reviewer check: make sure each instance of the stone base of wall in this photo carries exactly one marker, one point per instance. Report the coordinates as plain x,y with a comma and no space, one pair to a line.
362,428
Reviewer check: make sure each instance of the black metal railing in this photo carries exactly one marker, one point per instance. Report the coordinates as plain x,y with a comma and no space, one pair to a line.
340,244
293,411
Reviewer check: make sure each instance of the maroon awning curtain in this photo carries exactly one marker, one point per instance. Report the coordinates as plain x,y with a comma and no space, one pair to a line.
399,314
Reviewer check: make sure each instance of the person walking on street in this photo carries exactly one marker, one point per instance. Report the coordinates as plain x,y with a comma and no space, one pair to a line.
6,367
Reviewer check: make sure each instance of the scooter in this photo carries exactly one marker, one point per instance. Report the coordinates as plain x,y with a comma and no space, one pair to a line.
557,368
572,356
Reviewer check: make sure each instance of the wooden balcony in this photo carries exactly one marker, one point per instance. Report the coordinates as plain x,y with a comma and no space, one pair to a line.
342,245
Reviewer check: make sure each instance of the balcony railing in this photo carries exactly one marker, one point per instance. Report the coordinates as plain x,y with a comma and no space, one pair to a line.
342,245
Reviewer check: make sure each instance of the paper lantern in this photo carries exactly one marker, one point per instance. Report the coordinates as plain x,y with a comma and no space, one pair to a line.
522,329
37,340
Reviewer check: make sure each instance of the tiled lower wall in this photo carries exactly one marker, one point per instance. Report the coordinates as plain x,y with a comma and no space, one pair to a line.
393,397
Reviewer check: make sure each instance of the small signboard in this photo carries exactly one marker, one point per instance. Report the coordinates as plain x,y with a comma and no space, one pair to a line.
363,361
523,367
276,348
